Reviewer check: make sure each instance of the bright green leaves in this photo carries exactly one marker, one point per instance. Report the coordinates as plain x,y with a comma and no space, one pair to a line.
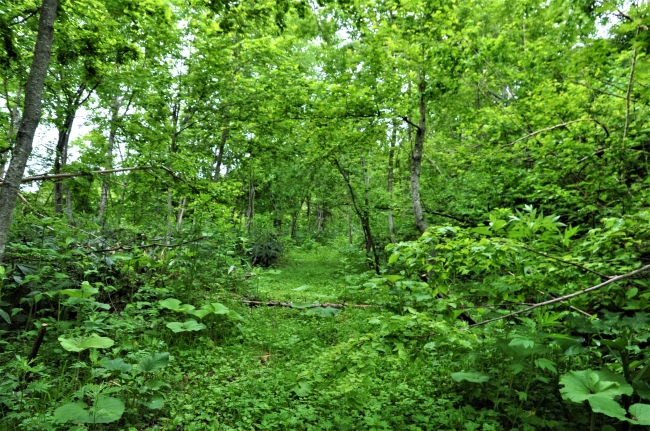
80,344
600,389
216,308
104,410
323,311
176,305
472,377
583,385
154,363
188,325
302,388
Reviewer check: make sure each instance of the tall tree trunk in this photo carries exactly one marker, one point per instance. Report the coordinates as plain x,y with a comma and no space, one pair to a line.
349,226
250,211
31,117
61,158
416,160
364,218
366,209
219,156
103,201
308,213
225,131
181,211
169,215
14,120
391,161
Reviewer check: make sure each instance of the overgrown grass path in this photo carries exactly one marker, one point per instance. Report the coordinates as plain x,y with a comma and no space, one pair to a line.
250,379
312,276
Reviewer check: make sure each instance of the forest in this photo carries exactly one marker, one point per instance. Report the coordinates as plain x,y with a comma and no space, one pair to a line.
371,215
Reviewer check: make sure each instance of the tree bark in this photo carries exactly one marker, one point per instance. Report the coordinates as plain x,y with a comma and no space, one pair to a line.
416,160
391,161
364,217
61,158
219,157
103,201
31,118
250,211
349,226
181,211
14,120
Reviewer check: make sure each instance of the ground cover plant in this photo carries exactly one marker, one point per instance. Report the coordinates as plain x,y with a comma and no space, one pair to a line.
330,215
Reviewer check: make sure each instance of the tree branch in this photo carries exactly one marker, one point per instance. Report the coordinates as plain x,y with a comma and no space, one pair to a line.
565,261
566,297
557,126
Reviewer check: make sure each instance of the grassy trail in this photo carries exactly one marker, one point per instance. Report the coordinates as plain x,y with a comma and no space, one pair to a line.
315,276
250,382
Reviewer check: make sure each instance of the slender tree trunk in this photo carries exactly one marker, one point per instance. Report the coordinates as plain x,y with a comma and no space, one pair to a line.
250,211
391,160
349,226
103,201
14,120
366,209
61,159
308,213
364,218
219,156
416,160
169,215
31,118
181,211
225,131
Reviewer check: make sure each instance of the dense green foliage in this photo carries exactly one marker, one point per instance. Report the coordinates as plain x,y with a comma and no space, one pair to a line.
234,242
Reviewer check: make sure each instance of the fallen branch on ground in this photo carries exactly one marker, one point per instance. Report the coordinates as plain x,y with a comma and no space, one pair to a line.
290,304
566,297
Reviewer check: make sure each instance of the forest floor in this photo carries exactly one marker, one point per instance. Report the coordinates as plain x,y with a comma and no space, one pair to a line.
250,379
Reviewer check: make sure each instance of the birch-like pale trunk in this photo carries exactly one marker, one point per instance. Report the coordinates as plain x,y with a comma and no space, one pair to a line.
391,161
416,160
103,201
31,118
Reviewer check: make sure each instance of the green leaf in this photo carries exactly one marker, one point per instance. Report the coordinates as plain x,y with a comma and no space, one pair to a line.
5,316
583,385
83,293
189,325
546,364
301,288
393,278
72,412
154,402
473,377
199,313
218,308
171,304
106,410
302,389
80,344
116,365
523,342
481,230
323,311
640,413
607,406
153,363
